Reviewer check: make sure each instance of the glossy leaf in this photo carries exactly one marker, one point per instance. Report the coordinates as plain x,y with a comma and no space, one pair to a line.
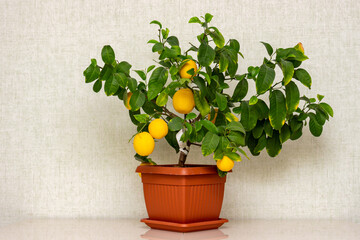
292,97
249,116
97,86
123,67
209,126
221,101
235,126
303,76
273,145
111,86
327,108
137,100
175,124
269,48
201,104
240,91
210,143
108,54
265,79
206,54
277,112
288,71
284,133
314,126
157,81
92,72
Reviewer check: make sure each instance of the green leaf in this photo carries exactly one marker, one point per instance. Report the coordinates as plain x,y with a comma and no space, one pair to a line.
284,133
165,33
224,63
253,100
162,99
234,44
206,54
292,97
208,17
152,41
111,86
258,130
273,145
106,72
190,116
277,112
97,86
156,22
320,97
143,118
175,124
195,20
141,74
314,126
217,37
235,126
92,72
201,104
209,143
150,68
321,116
327,108
173,41
171,139
265,79
269,48
262,109
206,76
209,126
233,156
132,84
268,129
261,144
107,54
237,138
303,76
201,84
121,79
290,54
240,91
137,100
221,101
288,71
296,134
132,118
249,116
157,81
123,67
157,47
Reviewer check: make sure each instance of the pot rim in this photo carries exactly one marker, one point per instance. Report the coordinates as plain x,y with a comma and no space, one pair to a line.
174,169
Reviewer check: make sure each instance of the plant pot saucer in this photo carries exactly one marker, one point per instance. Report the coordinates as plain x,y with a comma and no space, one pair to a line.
184,227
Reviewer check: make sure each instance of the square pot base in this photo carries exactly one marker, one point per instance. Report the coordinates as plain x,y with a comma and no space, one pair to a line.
184,227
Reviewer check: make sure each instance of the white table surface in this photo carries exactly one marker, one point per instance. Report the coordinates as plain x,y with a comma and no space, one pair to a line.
129,229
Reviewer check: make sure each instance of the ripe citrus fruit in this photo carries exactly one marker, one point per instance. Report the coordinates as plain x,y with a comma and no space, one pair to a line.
143,164
187,66
158,128
225,164
127,105
144,144
183,101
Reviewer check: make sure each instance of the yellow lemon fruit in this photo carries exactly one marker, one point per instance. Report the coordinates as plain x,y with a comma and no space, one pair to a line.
144,144
187,66
158,128
183,101
143,164
225,164
127,105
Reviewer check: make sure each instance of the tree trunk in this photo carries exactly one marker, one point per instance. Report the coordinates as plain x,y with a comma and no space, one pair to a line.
183,154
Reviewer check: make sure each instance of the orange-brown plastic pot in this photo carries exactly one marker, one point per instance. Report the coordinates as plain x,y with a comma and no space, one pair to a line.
182,198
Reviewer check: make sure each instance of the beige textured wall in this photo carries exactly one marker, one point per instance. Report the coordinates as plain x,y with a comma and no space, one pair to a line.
64,150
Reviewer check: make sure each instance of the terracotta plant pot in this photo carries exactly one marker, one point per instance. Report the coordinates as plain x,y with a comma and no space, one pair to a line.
182,199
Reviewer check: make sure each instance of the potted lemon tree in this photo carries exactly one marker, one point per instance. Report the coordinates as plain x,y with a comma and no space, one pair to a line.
186,99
